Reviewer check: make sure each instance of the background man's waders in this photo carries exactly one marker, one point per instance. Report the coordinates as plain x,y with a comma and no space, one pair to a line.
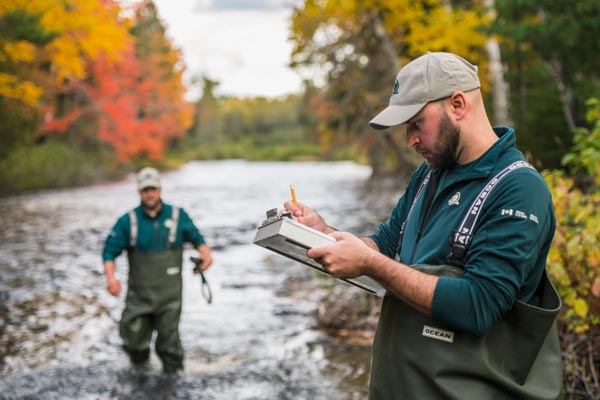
154,301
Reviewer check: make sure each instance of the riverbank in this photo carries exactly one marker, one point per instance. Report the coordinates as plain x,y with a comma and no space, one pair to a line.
58,164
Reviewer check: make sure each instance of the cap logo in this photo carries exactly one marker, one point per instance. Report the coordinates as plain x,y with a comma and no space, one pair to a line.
396,87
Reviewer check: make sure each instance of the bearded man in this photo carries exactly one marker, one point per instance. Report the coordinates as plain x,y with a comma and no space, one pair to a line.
153,234
469,312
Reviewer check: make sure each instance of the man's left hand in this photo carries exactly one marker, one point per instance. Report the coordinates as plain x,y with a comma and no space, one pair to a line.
205,253
345,258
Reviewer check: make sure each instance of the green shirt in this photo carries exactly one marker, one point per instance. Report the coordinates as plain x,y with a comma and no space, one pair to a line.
511,242
153,233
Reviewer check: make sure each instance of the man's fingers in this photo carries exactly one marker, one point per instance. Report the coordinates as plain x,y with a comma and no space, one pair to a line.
315,252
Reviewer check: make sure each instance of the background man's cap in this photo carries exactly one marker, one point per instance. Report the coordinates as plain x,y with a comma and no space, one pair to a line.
433,76
148,177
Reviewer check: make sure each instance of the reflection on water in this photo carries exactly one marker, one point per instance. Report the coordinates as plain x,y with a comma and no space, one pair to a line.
58,335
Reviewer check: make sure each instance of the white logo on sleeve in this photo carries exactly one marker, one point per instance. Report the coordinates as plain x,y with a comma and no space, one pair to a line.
520,214
438,334
172,271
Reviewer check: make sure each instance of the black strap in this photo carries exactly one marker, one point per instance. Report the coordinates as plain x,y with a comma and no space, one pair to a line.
461,238
206,292
431,189
403,226
204,287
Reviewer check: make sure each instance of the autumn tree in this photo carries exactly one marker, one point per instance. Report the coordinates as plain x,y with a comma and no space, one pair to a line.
164,113
21,37
359,46
131,99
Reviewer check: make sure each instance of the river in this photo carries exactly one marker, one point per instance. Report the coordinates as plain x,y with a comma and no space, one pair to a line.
257,340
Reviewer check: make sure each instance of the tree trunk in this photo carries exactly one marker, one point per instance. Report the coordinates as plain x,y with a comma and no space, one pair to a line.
499,87
500,90
565,90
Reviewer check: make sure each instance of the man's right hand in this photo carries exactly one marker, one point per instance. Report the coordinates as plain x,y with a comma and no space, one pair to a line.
114,287
307,216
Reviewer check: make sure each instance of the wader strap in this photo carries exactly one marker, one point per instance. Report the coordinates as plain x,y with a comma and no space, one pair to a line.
173,228
461,238
133,225
403,227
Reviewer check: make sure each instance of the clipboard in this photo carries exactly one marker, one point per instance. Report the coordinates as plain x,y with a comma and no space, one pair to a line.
285,236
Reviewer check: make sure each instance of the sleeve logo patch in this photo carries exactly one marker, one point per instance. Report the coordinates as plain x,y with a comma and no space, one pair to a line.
520,214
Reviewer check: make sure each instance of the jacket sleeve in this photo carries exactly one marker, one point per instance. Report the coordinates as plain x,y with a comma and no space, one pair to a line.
506,258
117,240
189,231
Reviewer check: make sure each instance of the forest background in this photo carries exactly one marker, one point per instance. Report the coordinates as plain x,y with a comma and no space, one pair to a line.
92,89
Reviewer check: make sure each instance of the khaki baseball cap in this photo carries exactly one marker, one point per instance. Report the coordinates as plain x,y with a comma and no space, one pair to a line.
148,177
433,76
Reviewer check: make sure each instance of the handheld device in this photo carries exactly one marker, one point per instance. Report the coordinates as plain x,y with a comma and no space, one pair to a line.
283,235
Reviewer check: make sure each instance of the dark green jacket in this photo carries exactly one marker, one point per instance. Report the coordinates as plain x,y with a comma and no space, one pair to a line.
508,254
153,233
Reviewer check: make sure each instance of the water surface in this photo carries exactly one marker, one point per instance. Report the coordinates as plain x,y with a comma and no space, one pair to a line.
58,325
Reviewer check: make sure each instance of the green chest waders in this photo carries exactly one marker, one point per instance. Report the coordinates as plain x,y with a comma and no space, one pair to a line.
153,302
417,358
155,278
519,358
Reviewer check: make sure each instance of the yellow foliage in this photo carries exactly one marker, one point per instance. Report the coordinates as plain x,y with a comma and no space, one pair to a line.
19,51
12,87
83,29
581,308
575,254
88,28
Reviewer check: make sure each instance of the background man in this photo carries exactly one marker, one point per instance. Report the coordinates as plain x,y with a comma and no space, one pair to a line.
153,235
469,313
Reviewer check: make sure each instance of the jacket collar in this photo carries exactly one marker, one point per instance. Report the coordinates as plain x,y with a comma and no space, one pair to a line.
486,163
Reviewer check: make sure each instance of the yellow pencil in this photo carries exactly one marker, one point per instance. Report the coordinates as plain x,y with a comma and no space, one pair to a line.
293,195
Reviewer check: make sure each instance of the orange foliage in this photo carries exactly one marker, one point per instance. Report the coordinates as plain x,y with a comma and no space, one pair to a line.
135,95
120,99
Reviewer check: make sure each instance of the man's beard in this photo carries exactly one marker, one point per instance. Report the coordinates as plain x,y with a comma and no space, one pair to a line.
444,153
151,205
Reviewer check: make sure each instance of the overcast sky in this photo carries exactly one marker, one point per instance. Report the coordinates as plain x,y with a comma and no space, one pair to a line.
240,43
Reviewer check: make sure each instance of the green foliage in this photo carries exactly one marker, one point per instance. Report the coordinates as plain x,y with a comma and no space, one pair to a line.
18,125
273,146
574,260
538,118
547,47
49,165
252,128
19,24
585,155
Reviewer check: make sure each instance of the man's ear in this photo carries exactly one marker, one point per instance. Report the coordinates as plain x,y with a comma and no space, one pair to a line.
458,104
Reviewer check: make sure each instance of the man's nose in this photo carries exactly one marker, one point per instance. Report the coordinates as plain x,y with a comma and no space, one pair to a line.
412,138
